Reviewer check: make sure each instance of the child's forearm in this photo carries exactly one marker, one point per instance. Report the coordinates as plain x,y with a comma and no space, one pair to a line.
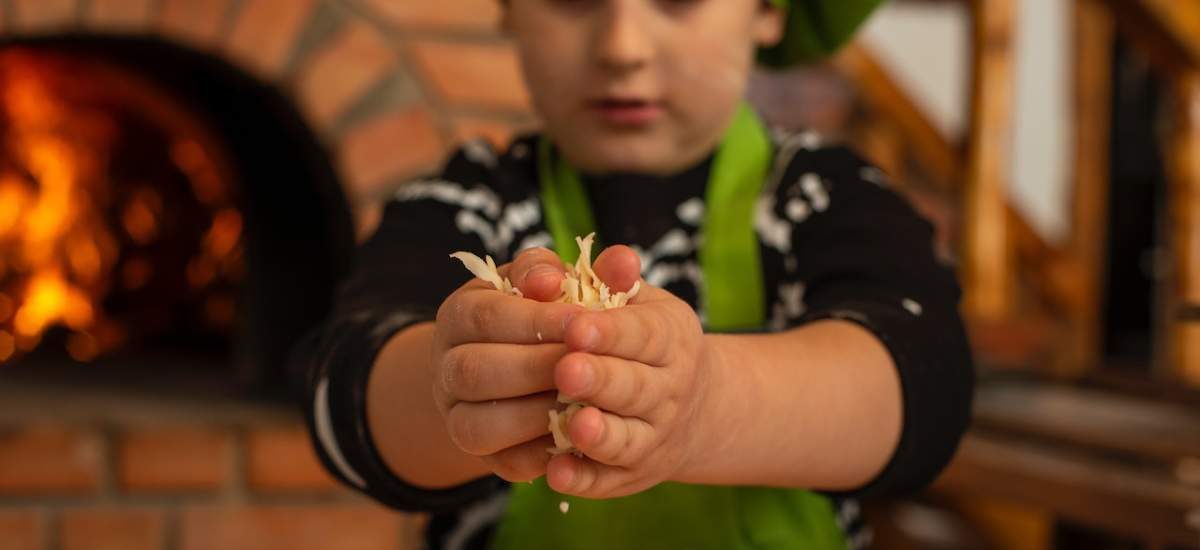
406,426
815,407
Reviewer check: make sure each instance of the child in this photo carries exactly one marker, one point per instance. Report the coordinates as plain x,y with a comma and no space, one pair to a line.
831,363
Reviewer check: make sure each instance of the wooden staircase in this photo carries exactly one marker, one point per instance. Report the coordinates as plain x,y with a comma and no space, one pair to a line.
1055,438
1029,303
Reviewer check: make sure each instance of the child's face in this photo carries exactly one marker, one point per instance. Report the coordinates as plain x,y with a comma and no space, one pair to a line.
638,85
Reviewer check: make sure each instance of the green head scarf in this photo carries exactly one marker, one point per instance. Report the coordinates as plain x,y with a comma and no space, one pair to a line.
815,29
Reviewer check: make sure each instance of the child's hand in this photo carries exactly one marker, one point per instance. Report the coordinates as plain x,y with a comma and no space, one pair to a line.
494,358
645,368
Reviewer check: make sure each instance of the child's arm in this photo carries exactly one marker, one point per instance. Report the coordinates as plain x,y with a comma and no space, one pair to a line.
814,407
731,409
438,416
406,426
840,415
869,391
369,372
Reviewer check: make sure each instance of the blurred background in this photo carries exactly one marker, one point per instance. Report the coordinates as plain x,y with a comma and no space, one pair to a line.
183,181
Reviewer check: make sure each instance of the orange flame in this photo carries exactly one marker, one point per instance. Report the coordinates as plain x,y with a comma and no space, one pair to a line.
58,253
45,223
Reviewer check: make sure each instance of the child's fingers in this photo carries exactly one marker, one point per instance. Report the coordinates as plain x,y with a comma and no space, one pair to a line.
619,267
485,428
524,462
581,477
611,439
646,333
485,372
625,387
474,314
538,273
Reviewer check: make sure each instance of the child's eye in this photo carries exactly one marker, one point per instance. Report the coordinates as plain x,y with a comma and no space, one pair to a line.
677,5
574,5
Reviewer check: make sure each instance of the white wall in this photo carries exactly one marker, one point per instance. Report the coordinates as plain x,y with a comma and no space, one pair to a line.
927,48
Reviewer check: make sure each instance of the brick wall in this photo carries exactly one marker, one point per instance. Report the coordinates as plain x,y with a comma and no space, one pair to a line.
244,485
388,85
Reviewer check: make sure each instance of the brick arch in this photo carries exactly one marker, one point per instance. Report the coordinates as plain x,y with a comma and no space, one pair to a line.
387,86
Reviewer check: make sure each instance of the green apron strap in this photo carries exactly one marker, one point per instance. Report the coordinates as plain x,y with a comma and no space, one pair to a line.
564,201
729,257
733,295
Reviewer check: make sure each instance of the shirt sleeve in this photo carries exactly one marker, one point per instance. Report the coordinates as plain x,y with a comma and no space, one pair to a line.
867,257
399,278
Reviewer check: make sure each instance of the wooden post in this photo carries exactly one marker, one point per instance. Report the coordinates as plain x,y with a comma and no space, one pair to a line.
1086,248
987,266
1185,234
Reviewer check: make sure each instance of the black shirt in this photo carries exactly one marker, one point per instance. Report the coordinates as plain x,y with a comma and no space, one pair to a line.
835,242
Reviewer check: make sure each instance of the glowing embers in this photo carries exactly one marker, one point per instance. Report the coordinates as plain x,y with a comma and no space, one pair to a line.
117,221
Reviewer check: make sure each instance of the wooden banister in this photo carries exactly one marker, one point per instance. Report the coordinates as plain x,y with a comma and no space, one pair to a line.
987,266
1167,31
1052,275
1178,20
933,151
996,239
1185,222
1086,245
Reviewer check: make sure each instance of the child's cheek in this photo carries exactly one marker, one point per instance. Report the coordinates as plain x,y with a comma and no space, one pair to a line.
715,67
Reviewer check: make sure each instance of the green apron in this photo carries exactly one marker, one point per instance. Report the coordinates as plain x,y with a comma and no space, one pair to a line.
680,516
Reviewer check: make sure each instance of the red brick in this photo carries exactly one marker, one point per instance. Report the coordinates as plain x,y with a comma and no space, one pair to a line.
281,527
265,31
341,72
50,460
282,460
35,16
455,15
480,75
195,22
497,133
113,529
22,530
174,459
119,14
389,148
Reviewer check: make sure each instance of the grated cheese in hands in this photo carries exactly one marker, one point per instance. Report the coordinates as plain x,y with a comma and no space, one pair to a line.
581,287
486,271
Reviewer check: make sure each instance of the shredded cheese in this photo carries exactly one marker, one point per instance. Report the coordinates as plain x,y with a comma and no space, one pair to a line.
486,271
581,287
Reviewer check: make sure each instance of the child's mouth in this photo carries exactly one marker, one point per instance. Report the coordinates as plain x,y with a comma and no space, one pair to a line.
627,112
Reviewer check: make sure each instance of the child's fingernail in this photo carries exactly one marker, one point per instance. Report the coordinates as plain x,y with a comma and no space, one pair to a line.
586,376
540,270
591,336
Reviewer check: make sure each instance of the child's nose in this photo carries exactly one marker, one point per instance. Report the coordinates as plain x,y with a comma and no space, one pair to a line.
622,41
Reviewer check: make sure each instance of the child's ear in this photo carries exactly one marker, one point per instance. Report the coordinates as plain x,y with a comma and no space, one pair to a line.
768,25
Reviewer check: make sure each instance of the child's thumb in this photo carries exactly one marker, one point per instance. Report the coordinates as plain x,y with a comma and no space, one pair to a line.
538,273
619,267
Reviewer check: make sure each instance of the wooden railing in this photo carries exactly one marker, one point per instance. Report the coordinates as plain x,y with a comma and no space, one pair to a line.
1043,453
997,248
